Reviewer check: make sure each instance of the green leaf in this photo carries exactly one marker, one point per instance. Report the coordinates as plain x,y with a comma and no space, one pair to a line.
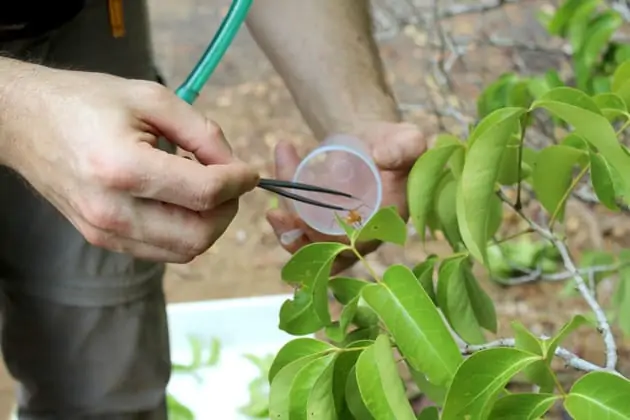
599,33
302,392
415,323
309,268
445,209
464,228
321,400
553,175
480,379
611,105
429,413
550,345
436,393
623,292
602,179
579,24
385,226
379,383
345,289
522,406
424,274
283,382
561,19
576,108
482,304
481,171
452,295
344,364
356,406
537,372
296,349
597,258
177,410
599,395
422,184
621,82
337,330
509,162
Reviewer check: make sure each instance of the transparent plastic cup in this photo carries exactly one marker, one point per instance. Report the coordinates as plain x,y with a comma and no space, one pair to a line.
342,163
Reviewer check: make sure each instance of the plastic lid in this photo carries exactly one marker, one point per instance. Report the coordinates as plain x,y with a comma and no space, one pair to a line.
341,163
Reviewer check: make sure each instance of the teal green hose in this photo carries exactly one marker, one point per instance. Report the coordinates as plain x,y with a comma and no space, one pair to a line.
190,89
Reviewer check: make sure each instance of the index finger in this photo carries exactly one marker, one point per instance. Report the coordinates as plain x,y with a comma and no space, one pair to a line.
186,183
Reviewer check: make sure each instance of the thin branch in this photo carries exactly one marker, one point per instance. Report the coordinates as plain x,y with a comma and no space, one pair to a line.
570,359
602,322
537,274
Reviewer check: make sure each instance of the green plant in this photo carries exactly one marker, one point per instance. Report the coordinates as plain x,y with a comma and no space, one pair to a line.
433,320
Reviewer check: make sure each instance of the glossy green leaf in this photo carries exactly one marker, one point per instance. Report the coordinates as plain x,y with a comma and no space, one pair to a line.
481,171
385,226
424,274
445,209
611,105
429,413
337,330
177,410
345,289
464,228
455,302
309,268
496,95
355,403
599,395
344,364
435,393
577,142
576,108
359,334
422,183
522,406
509,162
621,82
623,292
482,304
321,400
562,17
480,379
577,28
415,323
283,382
296,349
602,180
550,345
599,33
379,382
301,393
537,372
553,175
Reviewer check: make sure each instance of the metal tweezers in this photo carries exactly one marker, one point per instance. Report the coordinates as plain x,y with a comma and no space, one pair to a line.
276,185
191,87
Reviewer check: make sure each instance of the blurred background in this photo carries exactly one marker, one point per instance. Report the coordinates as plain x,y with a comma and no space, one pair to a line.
439,55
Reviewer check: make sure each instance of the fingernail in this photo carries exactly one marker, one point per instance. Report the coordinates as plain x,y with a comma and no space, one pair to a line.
289,237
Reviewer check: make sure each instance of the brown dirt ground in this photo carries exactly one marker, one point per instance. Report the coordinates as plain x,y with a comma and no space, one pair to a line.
250,102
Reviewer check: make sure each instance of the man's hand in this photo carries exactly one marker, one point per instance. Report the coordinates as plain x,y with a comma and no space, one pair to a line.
87,143
395,148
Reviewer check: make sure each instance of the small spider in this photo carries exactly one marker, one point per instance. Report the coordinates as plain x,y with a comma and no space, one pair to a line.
354,218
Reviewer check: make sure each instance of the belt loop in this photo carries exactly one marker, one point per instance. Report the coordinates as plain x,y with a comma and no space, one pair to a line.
116,18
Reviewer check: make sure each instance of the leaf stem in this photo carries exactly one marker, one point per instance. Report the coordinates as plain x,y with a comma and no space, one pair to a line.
518,204
514,236
367,265
566,195
624,126
556,381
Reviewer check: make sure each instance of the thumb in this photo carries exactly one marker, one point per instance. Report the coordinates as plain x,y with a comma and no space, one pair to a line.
398,149
181,124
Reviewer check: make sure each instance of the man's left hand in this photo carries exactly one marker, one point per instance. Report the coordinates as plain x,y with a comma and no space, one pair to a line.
395,148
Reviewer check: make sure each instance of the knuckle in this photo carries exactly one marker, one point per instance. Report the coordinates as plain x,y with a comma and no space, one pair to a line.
213,129
97,237
105,216
110,173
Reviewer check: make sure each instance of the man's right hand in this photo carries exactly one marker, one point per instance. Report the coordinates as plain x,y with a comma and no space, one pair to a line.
87,143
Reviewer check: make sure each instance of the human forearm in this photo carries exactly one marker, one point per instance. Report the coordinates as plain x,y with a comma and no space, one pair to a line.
325,52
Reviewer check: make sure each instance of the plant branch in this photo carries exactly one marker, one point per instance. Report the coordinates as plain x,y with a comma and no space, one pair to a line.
570,359
537,274
602,322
